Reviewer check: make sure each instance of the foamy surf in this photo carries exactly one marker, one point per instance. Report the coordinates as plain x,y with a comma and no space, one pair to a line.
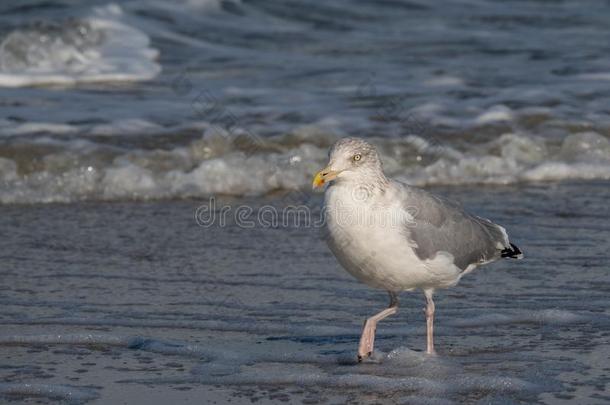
178,163
100,47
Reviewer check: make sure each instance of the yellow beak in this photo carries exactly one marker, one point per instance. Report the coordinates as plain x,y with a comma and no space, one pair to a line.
324,176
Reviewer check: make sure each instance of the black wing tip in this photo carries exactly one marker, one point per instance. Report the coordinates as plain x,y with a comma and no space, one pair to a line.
512,252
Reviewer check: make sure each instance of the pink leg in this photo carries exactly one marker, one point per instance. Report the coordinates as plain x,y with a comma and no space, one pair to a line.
429,310
367,340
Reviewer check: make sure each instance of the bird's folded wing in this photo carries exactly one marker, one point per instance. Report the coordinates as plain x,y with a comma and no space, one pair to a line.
439,225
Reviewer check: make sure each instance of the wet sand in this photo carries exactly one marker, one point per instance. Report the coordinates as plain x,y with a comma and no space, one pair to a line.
137,303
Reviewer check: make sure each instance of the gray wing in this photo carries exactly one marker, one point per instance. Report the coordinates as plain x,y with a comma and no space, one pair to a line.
441,225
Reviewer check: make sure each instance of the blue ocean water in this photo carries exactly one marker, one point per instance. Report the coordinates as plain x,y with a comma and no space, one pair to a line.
146,100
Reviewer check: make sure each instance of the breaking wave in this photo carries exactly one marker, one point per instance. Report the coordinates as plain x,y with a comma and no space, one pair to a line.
182,163
96,48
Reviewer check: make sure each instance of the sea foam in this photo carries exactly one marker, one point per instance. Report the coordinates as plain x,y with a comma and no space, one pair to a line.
100,47
54,166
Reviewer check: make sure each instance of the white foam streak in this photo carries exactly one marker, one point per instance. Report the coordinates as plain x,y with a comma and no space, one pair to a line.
495,114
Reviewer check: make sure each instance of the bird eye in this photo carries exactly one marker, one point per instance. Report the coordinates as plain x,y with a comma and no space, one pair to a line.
357,157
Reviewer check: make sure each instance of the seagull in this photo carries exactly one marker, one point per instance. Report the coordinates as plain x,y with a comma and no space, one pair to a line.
395,237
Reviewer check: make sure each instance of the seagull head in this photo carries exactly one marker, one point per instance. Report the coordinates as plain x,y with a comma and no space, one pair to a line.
351,160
